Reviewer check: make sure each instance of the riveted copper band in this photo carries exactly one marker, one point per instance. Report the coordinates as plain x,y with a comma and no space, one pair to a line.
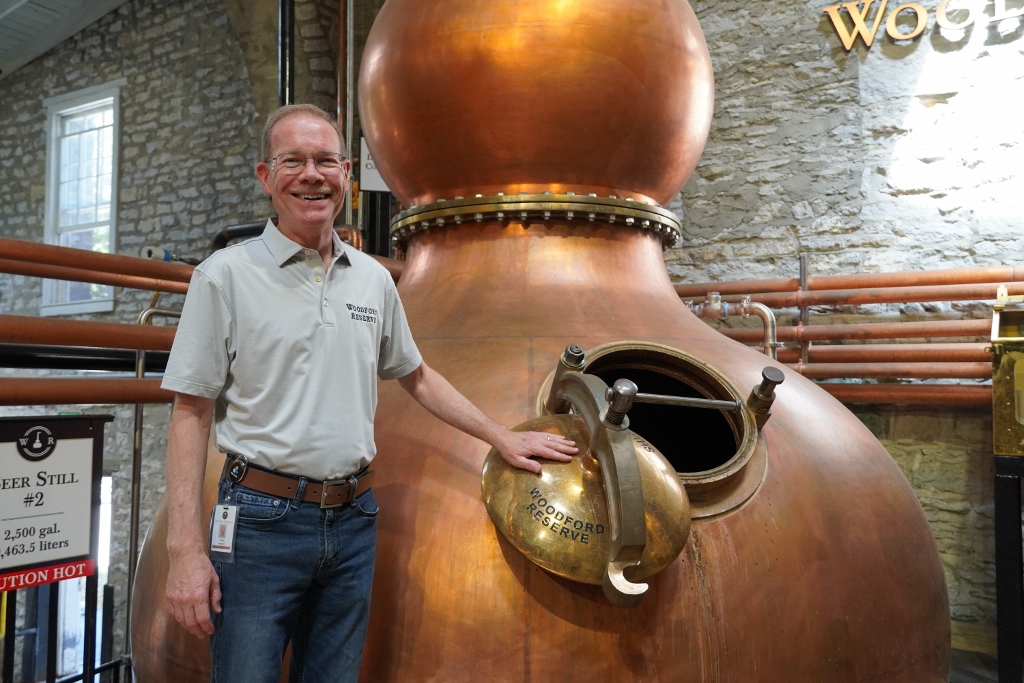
538,207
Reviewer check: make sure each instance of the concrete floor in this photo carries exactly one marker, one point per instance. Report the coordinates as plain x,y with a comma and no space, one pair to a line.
972,667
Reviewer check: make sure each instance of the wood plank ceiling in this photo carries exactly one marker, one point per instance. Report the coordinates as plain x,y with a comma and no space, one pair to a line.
30,28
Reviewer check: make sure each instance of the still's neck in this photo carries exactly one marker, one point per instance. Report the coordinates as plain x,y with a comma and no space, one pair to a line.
510,279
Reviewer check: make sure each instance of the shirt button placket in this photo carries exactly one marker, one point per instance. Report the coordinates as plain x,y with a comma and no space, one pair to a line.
316,264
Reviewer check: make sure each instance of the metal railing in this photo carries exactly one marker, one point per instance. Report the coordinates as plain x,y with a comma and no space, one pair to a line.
39,637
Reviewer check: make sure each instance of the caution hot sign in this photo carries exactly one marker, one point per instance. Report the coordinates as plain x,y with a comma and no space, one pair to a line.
50,471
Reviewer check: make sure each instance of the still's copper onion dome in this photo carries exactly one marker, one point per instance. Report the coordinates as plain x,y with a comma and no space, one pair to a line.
808,557
463,97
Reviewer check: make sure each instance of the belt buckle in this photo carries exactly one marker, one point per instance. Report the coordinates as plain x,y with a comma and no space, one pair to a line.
353,486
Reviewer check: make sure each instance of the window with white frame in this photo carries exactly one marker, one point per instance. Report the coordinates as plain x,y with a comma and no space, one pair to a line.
81,189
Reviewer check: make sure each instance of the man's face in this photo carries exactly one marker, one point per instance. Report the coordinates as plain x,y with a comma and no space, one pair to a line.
308,197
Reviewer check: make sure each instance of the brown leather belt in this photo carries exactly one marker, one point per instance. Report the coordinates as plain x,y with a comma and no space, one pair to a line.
328,494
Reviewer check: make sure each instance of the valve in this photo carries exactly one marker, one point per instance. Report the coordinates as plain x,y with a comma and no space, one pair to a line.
762,396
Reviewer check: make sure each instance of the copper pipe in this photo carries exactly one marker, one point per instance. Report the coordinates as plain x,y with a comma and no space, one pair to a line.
25,391
885,295
969,352
912,394
64,263
893,370
714,308
33,252
908,330
394,266
81,275
950,276
18,329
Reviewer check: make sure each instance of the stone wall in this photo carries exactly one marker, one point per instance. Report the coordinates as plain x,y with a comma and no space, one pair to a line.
894,157
947,458
888,158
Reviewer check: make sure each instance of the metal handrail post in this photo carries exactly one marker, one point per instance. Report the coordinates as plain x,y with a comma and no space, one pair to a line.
805,313
145,318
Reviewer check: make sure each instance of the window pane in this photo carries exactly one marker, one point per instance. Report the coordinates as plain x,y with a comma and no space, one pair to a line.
68,197
89,169
104,185
68,151
90,145
85,175
87,192
91,239
70,171
71,124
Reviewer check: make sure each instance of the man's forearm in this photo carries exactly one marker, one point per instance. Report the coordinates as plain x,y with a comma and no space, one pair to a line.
187,440
439,397
444,402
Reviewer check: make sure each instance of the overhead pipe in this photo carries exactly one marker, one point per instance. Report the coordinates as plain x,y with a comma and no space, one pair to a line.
934,329
911,394
18,257
950,276
962,352
895,370
24,391
48,254
883,295
23,329
96,277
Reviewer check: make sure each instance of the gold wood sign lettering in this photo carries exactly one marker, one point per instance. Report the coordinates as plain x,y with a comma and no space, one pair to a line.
859,11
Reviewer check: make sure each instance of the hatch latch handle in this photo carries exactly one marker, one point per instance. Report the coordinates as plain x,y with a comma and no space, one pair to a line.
604,409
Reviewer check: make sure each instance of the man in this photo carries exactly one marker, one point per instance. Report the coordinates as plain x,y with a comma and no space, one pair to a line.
281,341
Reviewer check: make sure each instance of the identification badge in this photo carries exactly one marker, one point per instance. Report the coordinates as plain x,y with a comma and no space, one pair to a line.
222,533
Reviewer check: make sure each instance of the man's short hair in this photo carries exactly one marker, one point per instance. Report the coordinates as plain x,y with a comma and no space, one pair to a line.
291,110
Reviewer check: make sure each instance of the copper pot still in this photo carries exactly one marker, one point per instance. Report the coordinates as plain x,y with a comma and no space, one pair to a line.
535,142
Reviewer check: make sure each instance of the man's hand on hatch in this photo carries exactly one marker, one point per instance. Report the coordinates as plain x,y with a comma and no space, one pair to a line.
517,447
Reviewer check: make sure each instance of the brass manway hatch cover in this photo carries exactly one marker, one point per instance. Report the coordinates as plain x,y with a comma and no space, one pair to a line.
559,519
619,512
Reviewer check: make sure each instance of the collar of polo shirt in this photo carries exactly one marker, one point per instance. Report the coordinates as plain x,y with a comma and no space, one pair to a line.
283,249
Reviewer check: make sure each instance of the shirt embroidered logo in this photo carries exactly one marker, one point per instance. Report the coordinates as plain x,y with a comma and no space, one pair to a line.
363,313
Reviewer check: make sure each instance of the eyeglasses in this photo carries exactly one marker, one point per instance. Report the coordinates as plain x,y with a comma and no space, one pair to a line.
326,162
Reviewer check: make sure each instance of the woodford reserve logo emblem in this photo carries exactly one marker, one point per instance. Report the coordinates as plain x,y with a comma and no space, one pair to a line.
859,12
36,444
560,523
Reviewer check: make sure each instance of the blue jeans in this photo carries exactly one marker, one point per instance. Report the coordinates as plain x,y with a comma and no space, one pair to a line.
301,574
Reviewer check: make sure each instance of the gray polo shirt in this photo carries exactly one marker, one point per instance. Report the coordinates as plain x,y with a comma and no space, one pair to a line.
291,353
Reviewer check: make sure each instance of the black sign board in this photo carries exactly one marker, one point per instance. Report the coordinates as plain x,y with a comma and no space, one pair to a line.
50,475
